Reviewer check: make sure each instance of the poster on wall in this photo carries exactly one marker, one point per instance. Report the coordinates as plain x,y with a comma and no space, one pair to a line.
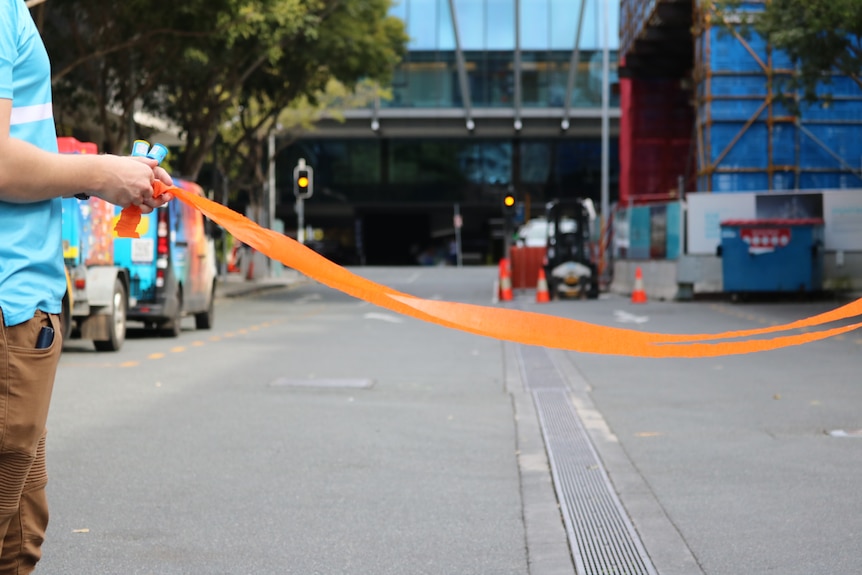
706,211
648,232
673,220
621,233
801,206
658,232
840,210
640,236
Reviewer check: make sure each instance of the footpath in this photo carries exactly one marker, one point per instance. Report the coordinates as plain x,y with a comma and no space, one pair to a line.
236,285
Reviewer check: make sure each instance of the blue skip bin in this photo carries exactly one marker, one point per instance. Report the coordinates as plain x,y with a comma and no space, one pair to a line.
772,255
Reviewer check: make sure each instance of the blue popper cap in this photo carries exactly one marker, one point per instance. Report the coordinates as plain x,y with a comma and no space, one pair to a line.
140,148
158,152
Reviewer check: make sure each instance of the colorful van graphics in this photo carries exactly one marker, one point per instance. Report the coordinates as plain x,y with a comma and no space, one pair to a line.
96,295
172,267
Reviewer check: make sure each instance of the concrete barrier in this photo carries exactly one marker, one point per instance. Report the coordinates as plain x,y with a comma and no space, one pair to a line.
693,275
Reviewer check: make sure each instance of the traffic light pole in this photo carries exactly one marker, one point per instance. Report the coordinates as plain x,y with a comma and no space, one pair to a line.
457,224
510,203
303,187
300,220
507,235
270,182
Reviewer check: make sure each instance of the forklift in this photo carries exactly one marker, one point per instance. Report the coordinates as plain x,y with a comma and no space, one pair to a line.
569,266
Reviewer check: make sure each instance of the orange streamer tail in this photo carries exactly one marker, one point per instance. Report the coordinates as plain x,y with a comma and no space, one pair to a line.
502,323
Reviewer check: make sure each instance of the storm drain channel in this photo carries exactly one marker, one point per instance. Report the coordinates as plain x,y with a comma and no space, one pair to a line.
602,539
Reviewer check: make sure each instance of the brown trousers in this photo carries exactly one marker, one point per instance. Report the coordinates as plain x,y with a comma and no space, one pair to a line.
26,382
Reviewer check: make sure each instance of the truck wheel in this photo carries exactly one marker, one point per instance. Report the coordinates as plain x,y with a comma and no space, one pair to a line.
174,326
204,320
117,324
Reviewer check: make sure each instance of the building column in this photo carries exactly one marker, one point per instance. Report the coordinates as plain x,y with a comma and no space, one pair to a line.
462,70
573,69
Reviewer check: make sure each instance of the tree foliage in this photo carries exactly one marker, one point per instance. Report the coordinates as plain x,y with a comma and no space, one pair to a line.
821,37
216,68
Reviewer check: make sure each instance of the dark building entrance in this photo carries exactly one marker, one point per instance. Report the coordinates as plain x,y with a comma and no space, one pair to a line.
392,201
395,238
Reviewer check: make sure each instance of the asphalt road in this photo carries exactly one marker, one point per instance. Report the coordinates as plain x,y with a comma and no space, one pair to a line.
310,432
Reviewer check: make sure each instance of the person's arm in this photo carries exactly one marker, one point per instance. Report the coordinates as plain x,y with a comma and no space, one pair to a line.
30,174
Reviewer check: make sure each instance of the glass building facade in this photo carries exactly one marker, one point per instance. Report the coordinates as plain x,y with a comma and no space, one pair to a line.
544,33
493,95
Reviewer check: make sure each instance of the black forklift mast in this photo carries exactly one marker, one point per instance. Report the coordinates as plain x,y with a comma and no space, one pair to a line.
568,240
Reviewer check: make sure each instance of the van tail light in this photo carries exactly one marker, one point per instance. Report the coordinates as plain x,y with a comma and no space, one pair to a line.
162,250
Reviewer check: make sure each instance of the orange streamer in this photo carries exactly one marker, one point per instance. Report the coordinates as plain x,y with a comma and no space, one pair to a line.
127,225
502,323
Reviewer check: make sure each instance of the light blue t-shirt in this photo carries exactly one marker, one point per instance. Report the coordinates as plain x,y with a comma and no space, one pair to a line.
31,255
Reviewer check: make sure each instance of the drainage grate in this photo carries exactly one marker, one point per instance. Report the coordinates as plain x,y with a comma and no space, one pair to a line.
538,371
601,536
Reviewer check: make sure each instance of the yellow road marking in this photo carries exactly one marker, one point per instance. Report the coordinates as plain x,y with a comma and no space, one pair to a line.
215,338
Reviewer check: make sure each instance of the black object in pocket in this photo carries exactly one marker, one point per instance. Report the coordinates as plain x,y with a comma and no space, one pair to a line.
46,337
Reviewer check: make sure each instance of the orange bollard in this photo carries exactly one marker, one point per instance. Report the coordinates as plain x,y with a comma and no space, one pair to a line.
638,293
542,295
505,281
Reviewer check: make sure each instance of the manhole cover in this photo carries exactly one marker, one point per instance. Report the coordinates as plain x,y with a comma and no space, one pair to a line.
323,383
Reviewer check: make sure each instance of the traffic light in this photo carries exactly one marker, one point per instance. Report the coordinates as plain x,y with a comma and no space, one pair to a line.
509,203
303,180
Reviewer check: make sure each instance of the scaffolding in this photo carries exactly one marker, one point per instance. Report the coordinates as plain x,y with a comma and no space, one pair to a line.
747,137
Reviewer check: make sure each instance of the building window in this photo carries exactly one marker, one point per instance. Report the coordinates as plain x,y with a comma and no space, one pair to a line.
492,80
426,80
500,25
422,24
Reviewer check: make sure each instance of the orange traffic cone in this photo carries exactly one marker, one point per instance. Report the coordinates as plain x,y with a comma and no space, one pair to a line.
542,295
638,293
505,281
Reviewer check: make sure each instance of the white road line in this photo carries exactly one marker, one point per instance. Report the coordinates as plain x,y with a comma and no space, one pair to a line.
626,317
383,317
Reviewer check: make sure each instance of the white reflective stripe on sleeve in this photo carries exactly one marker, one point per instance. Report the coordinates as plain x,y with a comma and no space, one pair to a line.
26,114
